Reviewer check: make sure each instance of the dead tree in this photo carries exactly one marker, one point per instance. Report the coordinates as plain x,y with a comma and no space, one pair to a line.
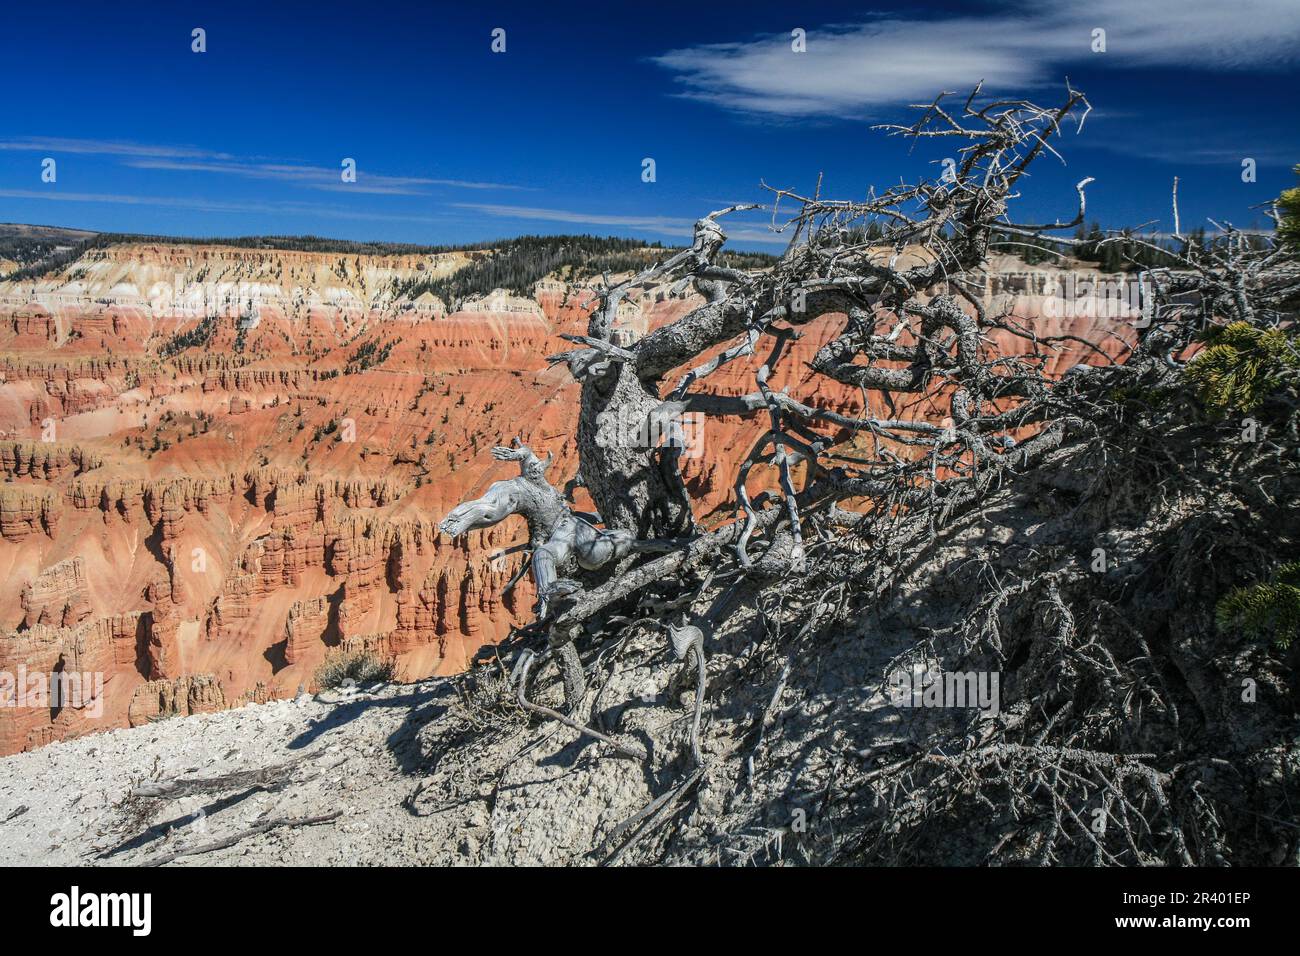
907,298
902,271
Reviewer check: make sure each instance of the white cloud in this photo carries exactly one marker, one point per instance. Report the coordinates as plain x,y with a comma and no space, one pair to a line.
853,69
214,205
663,225
737,230
316,177
192,159
54,195
62,144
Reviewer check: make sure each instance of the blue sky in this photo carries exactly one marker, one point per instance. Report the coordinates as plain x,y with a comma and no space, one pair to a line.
454,143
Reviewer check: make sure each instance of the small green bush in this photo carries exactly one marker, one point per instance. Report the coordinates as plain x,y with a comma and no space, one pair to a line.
1289,206
1264,609
1242,365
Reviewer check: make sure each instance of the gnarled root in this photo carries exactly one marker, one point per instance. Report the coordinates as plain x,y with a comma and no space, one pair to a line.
570,664
688,647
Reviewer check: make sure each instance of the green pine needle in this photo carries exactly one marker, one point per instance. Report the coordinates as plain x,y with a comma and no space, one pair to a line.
1242,365
1267,608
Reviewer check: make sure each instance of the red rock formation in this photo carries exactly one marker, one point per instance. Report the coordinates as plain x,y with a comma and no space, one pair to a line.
224,500
48,461
161,699
54,682
27,511
306,628
58,596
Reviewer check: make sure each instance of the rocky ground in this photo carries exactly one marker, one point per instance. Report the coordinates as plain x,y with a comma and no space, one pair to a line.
446,771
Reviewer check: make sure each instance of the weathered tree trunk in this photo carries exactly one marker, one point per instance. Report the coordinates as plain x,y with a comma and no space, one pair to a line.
634,486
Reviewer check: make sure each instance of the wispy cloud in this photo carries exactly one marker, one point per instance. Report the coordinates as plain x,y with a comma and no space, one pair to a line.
737,231
662,225
1177,148
54,195
202,204
102,147
195,160
316,177
854,69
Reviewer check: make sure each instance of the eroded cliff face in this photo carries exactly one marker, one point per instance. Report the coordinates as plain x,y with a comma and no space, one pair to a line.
219,464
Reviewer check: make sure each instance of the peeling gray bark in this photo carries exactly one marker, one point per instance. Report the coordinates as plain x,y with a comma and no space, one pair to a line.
629,481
